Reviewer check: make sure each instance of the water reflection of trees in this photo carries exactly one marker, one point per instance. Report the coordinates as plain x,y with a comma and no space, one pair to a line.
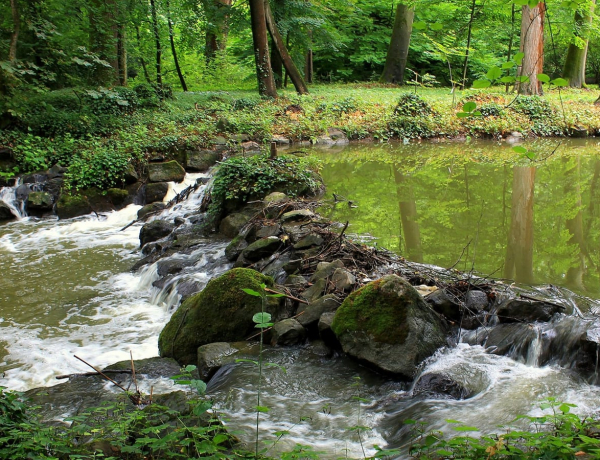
431,209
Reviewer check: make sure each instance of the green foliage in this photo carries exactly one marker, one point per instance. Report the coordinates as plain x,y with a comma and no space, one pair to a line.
412,105
491,110
240,179
101,165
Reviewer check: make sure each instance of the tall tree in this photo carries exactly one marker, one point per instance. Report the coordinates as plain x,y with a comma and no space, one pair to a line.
173,49
574,70
532,45
397,55
468,47
156,32
14,36
282,51
217,14
264,73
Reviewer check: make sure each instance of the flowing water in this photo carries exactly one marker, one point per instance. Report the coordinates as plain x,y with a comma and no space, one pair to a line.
66,288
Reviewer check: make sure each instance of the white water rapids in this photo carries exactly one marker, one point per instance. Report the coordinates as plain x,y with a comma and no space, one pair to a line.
66,288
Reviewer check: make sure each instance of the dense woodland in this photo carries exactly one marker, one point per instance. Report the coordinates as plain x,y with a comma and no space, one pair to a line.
45,44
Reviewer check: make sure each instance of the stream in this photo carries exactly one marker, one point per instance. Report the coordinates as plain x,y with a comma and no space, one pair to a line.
66,288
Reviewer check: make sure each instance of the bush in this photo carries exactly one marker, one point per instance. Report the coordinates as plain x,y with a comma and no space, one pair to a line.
412,105
117,101
491,110
534,107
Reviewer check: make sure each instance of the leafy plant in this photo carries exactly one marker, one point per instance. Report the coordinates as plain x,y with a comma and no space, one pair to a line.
412,105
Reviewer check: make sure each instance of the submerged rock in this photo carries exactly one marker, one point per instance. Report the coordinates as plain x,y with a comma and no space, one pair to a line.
222,312
388,325
212,357
287,332
519,310
155,230
150,208
440,386
5,212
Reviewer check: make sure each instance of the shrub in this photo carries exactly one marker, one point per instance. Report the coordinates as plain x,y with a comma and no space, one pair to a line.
412,105
534,107
491,110
111,101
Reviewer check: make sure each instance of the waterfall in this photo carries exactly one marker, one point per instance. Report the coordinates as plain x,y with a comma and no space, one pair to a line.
8,198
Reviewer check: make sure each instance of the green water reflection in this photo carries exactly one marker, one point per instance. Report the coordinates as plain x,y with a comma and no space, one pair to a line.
479,204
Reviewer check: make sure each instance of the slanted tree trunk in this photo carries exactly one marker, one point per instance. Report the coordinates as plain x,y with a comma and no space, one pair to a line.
217,13
14,36
277,66
286,59
264,72
574,70
468,49
532,45
397,55
519,249
173,49
142,60
156,32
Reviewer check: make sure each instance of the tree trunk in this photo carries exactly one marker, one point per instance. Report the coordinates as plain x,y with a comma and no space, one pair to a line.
173,50
397,55
14,36
510,42
122,54
308,64
217,14
277,66
142,60
574,70
532,45
264,73
519,249
408,217
575,273
286,59
469,34
156,32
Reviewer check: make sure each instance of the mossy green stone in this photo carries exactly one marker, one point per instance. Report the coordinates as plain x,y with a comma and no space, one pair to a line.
69,206
222,312
170,171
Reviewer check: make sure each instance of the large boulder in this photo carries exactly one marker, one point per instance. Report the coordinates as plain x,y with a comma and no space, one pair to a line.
156,191
222,312
69,206
155,230
5,212
171,171
201,160
40,201
388,325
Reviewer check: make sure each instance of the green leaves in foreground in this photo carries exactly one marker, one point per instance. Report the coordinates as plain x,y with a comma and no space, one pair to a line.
468,110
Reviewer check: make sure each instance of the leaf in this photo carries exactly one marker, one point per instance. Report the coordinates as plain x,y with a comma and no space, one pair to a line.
281,368
251,292
246,361
508,65
262,409
508,79
494,73
220,438
436,26
520,149
518,58
559,82
449,420
533,3
466,428
543,77
263,325
469,106
260,318
462,114
522,79
481,84
199,386
420,25
189,368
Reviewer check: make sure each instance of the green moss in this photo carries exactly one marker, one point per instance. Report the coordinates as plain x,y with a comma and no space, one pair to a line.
72,206
222,312
117,195
378,310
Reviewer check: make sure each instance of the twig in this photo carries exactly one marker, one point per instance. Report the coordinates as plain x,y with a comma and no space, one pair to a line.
137,389
91,374
101,373
285,295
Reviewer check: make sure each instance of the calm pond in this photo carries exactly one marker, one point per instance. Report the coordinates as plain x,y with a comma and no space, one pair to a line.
66,288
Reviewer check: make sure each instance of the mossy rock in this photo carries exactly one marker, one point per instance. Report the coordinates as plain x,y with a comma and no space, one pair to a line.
69,206
117,196
388,325
41,201
222,312
170,171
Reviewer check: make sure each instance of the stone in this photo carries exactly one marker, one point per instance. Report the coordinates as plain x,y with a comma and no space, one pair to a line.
221,312
388,325
280,140
251,146
150,208
315,291
476,301
156,192
298,215
262,248
170,171
326,269
310,240
202,160
6,212
131,176
295,281
235,248
22,192
311,313
275,197
268,230
287,332
436,386
212,357
239,138
117,196
521,310
155,230
442,304
231,225
338,136
169,267
325,331
40,201
69,206
319,348
511,339
343,279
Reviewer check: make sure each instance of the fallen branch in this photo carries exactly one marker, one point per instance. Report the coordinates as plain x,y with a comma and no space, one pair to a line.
91,374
